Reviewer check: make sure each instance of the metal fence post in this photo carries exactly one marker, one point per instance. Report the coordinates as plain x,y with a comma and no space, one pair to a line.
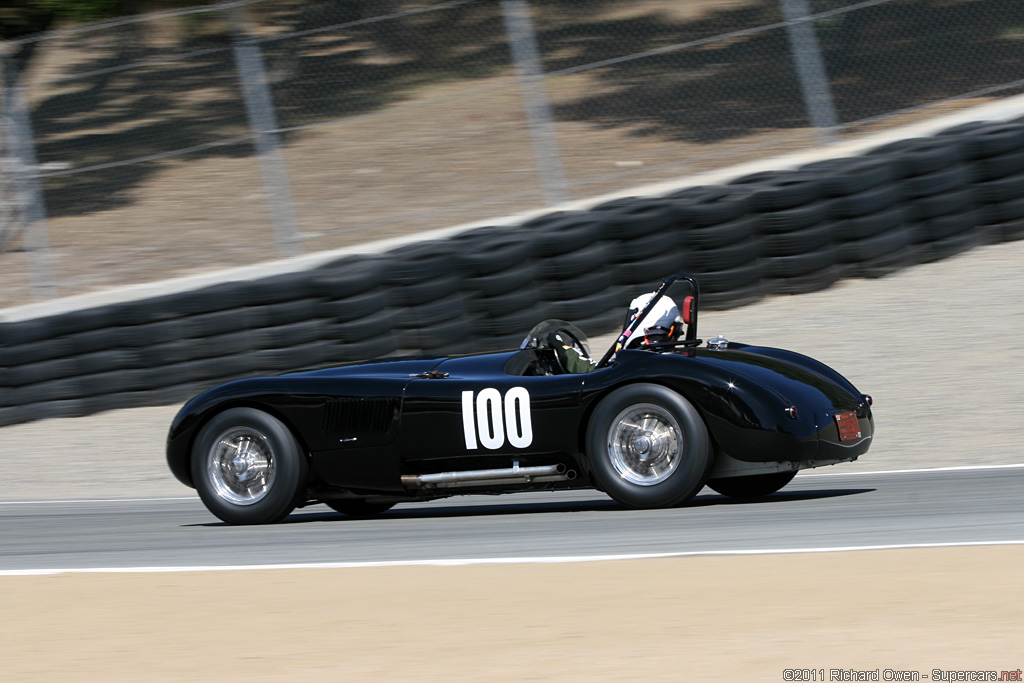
259,108
17,126
811,70
523,43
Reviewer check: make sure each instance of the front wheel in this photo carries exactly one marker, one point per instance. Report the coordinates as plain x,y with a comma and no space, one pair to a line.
648,447
751,486
248,468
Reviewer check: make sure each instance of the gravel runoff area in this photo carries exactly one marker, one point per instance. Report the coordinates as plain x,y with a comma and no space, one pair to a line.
939,346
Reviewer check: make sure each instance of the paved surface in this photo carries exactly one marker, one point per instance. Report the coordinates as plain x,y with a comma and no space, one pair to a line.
935,507
940,347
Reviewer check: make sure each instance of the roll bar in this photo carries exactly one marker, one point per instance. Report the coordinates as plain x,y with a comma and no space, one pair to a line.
689,316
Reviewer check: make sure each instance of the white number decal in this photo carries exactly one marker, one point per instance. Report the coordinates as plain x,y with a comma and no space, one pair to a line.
492,419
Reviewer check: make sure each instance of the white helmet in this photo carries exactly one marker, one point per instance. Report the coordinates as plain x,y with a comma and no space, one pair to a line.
662,323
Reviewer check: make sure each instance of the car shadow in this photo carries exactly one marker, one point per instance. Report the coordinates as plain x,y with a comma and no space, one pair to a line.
599,503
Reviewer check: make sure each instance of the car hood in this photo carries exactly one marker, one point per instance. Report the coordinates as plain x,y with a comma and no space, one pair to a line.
398,367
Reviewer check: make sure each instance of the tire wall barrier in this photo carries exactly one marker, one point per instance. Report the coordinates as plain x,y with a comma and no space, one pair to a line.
779,232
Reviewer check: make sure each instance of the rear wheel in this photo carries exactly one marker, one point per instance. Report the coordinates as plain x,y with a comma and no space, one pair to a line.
648,447
248,467
753,486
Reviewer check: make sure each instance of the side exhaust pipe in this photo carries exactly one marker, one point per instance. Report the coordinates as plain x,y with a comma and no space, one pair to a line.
507,475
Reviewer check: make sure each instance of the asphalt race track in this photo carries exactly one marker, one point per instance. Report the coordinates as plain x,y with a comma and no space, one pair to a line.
833,511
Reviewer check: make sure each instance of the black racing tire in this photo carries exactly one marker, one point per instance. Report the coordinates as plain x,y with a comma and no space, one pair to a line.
865,203
953,224
564,235
724,258
358,306
796,218
575,263
516,300
734,298
887,263
939,205
805,284
732,278
440,335
798,265
641,248
514,323
273,480
420,261
721,234
851,175
367,349
874,247
36,352
427,290
45,371
861,227
707,205
751,486
986,139
654,269
661,463
798,242
292,335
358,507
1000,166
574,288
596,303
483,254
918,156
1004,232
349,277
503,282
454,306
1000,189
1002,212
780,190
951,246
944,180
640,220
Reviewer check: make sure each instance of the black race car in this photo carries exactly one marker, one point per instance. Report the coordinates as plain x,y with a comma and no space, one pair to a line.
650,423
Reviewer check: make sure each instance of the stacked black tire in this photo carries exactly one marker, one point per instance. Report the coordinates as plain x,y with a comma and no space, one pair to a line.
793,231
995,153
501,283
159,351
425,287
720,244
934,181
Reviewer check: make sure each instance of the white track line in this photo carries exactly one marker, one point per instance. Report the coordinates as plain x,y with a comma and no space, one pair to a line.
69,501
957,468
498,560
954,468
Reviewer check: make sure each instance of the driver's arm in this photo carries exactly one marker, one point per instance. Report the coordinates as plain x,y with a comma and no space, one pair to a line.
576,363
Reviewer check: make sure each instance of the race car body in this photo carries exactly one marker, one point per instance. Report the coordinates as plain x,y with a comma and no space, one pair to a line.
650,426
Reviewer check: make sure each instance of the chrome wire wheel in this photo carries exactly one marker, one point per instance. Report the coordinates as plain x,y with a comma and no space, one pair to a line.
645,444
241,466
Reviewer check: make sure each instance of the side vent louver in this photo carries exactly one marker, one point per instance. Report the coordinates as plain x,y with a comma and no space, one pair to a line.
359,416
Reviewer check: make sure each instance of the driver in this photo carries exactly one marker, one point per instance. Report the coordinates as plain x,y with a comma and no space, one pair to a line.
575,362
661,324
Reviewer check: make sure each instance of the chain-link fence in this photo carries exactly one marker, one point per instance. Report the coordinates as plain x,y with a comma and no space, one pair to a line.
230,134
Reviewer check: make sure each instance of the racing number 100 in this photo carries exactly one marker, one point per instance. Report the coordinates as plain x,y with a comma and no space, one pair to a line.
492,418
